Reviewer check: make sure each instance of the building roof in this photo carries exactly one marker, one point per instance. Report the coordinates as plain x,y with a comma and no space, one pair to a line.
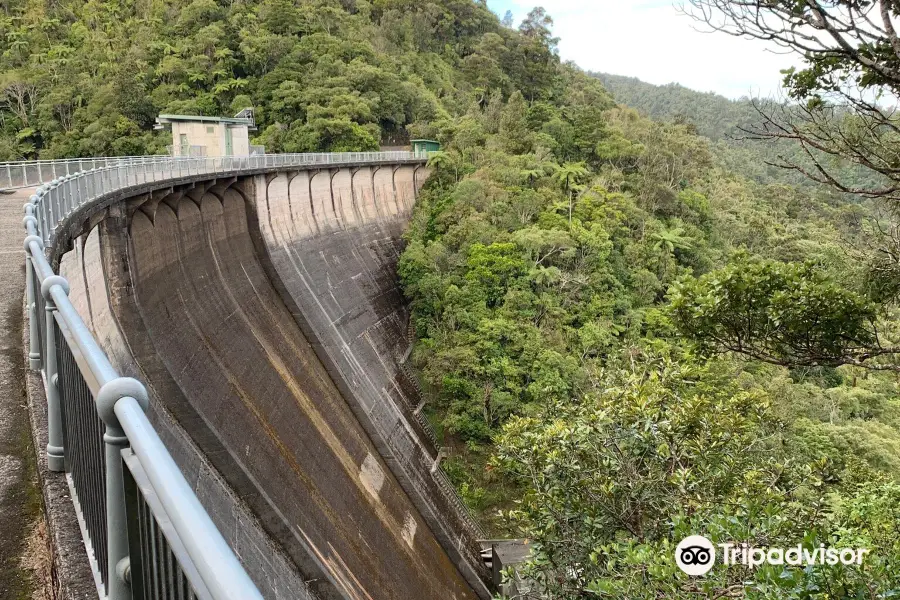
236,121
428,141
163,119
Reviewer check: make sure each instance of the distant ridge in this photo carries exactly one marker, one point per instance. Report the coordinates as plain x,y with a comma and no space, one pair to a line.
721,119
713,115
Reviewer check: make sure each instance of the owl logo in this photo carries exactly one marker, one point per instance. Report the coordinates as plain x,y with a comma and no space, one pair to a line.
695,555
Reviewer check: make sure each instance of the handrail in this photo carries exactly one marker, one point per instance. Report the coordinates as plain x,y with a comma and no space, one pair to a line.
32,173
62,196
218,567
87,158
121,402
126,423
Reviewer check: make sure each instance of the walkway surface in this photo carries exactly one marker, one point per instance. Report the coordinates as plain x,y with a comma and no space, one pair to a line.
20,497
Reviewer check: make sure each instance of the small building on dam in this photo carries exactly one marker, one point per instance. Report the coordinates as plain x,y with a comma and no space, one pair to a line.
201,136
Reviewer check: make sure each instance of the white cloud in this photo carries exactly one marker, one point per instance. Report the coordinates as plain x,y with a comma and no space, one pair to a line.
651,40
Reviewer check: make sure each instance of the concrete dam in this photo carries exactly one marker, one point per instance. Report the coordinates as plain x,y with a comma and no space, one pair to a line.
263,313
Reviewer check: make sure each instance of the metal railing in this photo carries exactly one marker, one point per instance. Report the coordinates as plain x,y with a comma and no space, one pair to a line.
146,533
64,195
165,569
84,458
440,476
26,174
93,414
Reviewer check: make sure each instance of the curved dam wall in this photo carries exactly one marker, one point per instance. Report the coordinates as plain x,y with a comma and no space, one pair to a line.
102,293
333,243
264,314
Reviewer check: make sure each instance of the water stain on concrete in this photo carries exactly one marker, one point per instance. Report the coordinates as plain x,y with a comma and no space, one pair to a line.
409,530
371,475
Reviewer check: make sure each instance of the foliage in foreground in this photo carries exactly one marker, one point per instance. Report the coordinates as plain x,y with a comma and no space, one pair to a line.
668,449
791,314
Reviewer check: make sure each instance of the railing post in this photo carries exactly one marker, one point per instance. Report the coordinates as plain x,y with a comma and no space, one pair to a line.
118,562
70,188
34,344
34,336
55,451
34,340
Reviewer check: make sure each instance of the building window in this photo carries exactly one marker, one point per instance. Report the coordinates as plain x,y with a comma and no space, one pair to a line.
210,129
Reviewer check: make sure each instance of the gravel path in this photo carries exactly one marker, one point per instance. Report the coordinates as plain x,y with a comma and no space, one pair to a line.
20,497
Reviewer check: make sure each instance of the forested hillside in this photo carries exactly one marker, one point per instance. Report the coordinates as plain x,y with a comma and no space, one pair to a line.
725,122
628,330
575,271
714,116
88,78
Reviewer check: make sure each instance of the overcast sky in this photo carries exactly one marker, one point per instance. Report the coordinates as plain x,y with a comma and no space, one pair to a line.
650,40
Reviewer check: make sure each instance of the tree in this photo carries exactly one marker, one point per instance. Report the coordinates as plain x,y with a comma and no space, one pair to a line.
514,133
18,96
780,313
493,268
669,240
544,244
851,52
444,161
331,134
615,480
538,69
484,66
669,448
537,26
842,109
567,176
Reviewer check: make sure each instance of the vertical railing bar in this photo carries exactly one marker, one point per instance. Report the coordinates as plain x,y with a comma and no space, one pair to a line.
170,588
154,558
145,544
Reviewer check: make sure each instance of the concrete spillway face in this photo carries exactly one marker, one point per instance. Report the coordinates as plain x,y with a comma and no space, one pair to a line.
102,292
239,357
194,307
333,239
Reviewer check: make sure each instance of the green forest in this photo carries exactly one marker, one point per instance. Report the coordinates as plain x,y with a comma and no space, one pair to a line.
629,327
726,124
